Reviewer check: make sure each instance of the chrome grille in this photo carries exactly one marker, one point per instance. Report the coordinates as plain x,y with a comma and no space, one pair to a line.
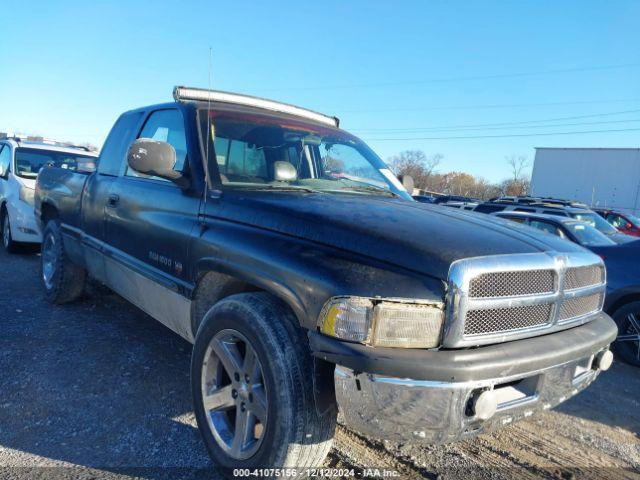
506,297
512,284
579,306
579,277
494,320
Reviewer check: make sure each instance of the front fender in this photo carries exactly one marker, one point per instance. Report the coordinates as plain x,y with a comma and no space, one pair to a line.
303,274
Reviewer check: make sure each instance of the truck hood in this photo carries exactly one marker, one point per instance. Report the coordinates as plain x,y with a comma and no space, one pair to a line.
419,237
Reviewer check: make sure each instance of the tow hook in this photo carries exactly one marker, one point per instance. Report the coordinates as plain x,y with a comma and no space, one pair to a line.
484,406
603,360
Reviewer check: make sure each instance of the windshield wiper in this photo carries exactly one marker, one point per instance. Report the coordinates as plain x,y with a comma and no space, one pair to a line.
365,186
283,188
369,189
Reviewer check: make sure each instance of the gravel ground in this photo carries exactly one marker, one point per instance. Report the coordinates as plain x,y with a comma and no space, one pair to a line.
97,389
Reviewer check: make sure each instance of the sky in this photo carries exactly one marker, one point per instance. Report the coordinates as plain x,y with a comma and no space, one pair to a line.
474,81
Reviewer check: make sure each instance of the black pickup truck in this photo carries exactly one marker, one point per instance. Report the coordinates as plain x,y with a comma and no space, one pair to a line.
310,282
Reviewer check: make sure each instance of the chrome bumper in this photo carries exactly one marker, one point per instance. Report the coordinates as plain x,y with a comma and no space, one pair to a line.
441,412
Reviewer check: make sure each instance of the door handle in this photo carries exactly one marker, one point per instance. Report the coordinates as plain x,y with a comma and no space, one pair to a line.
113,200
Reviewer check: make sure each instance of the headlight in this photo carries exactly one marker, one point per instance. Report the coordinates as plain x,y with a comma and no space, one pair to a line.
383,323
27,195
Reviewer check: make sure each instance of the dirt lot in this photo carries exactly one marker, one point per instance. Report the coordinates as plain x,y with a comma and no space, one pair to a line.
99,390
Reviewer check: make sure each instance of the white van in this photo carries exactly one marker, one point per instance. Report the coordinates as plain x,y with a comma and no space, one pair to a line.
20,162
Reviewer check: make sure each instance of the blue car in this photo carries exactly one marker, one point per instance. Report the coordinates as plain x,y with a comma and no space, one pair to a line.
622,301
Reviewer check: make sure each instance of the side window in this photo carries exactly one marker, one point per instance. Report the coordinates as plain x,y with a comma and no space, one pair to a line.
616,220
545,227
240,161
166,126
115,147
489,208
5,160
558,213
524,209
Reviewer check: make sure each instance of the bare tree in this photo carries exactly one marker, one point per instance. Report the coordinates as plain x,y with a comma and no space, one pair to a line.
417,164
519,183
517,164
423,169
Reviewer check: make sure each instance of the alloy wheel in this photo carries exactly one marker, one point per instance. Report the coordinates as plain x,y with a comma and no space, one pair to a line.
49,260
630,332
6,232
234,394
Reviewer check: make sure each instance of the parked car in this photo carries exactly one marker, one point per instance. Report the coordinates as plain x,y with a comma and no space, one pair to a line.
461,205
424,198
528,200
554,207
623,273
20,163
309,281
454,198
625,222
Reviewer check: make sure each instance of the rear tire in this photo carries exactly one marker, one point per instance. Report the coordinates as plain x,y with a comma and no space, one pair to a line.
293,433
9,244
627,345
63,280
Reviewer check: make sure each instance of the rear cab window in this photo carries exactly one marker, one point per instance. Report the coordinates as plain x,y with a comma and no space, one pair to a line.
115,147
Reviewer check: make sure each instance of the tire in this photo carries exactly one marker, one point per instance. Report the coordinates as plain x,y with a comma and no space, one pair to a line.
294,434
9,244
63,280
627,345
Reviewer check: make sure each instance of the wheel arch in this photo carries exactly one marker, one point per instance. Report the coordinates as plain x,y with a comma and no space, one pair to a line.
217,280
48,211
622,300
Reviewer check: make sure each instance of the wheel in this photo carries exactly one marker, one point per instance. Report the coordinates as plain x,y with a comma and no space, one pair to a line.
63,280
7,239
627,345
253,389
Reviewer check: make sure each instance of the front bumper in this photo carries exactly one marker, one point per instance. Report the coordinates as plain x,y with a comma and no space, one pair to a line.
437,404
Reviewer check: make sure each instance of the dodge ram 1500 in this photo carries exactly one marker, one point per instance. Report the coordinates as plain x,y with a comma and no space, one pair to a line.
310,282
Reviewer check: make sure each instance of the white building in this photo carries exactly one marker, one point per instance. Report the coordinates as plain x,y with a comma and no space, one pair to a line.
600,177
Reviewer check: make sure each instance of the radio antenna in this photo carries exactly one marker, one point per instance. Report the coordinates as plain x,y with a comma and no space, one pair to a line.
209,139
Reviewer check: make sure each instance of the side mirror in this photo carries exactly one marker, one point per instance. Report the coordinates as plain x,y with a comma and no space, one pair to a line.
151,157
407,183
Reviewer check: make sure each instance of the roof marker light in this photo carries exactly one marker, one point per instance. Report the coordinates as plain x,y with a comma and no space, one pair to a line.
181,94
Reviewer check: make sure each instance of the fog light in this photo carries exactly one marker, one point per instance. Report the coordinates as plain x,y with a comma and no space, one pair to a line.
603,360
485,405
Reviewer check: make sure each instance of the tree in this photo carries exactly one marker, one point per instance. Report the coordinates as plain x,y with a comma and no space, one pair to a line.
519,183
416,164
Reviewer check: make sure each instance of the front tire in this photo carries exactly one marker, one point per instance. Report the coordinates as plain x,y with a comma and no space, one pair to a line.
10,245
63,280
627,345
252,385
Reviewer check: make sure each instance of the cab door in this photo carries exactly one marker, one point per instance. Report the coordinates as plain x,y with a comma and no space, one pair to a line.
149,226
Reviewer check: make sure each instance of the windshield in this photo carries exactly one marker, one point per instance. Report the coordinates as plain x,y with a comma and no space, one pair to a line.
587,235
29,161
252,151
633,219
596,221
